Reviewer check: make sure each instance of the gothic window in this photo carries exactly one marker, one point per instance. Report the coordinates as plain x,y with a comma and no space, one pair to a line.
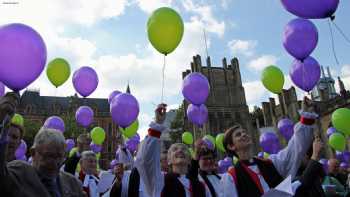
28,109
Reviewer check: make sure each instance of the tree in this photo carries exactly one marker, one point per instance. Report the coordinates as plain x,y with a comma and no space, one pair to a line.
177,125
31,128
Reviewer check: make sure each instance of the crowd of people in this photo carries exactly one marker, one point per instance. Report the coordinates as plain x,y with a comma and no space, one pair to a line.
154,172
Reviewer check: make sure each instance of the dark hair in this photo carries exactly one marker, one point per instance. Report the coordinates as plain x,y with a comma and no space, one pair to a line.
205,152
19,127
228,140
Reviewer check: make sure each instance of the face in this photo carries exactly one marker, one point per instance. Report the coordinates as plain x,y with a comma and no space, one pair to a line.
14,137
48,158
179,155
118,169
89,165
84,144
164,162
241,140
8,104
333,166
207,163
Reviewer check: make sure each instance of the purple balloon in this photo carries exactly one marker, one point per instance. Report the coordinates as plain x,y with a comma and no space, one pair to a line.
112,95
346,156
330,131
209,144
124,109
69,144
2,89
312,9
269,142
30,160
344,165
84,116
324,163
286,128
22,55
131,145
228,160
21,150
54,122
305,74
85,81
195,88
113,163
339,156
198,115
96,148
300,38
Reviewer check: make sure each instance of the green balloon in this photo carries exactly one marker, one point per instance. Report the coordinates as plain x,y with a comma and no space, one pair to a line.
98,135
211,138
191,152
219,142
58,71
73,151
234,160
165,30
266,155
273,79
337,141
17,119
341,120
131,130
187,138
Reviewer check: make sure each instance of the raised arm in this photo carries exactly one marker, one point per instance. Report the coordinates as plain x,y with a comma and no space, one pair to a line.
148,157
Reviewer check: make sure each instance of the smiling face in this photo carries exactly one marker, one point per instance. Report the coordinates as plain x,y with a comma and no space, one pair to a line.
238,140
178,154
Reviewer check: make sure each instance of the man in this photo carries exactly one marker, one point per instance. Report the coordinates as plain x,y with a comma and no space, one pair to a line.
72,163
43,178
15,134
175,183
252,176
334,171
88,174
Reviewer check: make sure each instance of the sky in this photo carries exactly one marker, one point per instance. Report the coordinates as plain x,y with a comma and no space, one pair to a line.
111,37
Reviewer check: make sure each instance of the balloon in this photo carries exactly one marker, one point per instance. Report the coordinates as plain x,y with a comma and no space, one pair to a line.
124,109
165,30
261,155
269,142
58,71
197,115
228,160
337,141
85,81
211,138
112,95
340,120
84,116
73,151
286,128
17,119
273,79
131,130
219,142
209,144
330,131
305,74
344,165
131,145
54,122
346,156
300,38
96,148
339,156
69,144
312,9
187,138
191,152
98,135
22,55
235,160
21,150
2,89
195,88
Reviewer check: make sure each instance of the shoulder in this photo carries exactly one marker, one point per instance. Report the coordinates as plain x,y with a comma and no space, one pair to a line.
67,177
18,166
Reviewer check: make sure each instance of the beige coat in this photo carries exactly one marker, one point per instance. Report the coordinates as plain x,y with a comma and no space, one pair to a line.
21,179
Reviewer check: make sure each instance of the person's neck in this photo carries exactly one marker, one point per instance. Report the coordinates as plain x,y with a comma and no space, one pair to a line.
179,169
244,154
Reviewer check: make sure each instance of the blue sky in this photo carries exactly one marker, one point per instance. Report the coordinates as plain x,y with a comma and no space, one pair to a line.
110,35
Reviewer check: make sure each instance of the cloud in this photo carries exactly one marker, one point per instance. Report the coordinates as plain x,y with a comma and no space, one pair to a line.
254,92
149,6
245,47
204,14
225,4
261,62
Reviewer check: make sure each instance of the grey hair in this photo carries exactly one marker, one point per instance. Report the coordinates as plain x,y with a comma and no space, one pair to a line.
49,136
173,146
87,154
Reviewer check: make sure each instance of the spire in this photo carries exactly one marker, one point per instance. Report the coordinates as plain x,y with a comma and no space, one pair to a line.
341,87
128,89
322,71
329,72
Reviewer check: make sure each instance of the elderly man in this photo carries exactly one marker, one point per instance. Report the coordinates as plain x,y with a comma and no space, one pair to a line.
334,171
43,178
88,174
253,176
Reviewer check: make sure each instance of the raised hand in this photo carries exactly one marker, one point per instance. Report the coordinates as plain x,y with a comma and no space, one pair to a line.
160,113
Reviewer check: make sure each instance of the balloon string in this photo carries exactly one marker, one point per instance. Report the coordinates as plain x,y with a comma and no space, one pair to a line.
332,39
163,79
341,32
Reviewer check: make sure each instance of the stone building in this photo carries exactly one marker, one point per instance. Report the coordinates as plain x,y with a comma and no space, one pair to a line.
38,108
226,103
